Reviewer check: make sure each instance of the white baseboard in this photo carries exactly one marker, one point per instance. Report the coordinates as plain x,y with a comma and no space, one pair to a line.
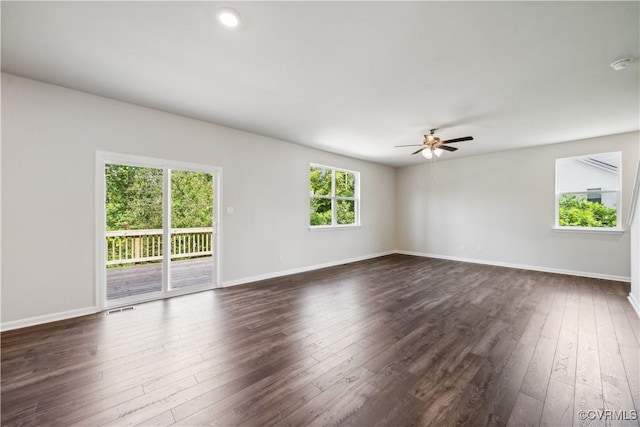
634,304
47,318
521,266
303,269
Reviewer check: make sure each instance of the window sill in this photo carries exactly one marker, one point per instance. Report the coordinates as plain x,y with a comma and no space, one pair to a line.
588,230
333,227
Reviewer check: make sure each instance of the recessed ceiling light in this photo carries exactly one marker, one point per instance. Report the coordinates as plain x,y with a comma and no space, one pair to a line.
621,64
228,17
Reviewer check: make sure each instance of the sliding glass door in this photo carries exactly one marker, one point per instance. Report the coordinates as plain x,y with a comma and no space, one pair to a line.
157,224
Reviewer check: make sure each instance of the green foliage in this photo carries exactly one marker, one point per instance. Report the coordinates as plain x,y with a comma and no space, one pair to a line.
320,211
134,198
346,212
320,181
191,199
577,211
345,184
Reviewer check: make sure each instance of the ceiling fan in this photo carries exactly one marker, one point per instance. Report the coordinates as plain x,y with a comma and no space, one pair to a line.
433,145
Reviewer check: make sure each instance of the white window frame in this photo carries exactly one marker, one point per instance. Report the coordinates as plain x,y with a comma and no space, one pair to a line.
612,230
334,198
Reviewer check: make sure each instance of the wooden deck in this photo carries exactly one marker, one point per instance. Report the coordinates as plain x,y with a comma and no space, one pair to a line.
145,278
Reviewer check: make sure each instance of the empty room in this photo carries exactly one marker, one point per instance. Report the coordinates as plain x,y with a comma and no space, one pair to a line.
320,213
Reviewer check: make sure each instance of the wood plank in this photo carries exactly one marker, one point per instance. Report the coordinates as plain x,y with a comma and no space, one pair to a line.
564,363
558,405
164,419
617,398
506,385
526,412
588,361
634,319
534,328
587,399
539,370
631,360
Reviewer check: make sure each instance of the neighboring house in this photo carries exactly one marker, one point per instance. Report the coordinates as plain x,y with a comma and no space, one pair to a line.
595,177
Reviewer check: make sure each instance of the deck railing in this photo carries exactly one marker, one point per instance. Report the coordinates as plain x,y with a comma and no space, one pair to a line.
134,246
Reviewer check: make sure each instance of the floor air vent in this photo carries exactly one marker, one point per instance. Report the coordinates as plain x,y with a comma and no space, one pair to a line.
120,310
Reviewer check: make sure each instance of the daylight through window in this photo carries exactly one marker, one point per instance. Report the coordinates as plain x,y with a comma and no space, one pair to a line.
334,197
588,191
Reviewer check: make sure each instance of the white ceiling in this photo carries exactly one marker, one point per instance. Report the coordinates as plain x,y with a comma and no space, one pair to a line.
354,78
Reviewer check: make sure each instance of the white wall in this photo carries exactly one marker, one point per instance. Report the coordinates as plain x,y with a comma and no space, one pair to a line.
499,208
50,136
634,296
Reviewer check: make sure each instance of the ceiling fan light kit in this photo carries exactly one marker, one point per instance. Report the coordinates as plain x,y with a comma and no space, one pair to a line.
433,145
228,17
428,154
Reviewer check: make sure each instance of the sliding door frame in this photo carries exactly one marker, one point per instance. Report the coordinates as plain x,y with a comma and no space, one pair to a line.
102,159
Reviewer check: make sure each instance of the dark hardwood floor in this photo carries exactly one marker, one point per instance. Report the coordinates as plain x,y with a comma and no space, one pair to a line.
393,341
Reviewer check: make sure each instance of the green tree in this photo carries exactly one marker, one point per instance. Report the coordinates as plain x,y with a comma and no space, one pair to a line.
134,197
320,211
191,199
577,211
346,212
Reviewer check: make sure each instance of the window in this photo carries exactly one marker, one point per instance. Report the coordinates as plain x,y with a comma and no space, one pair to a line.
588,192
334,197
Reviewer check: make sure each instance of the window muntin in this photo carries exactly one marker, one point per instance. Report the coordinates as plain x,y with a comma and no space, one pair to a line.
334,197
588,192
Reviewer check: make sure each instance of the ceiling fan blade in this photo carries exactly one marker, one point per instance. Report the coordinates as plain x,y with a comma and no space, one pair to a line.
410,145
466,138
416,152
446,147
